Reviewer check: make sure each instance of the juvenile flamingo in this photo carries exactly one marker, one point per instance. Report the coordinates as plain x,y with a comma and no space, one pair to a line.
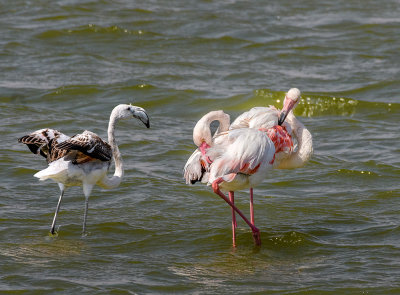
84,159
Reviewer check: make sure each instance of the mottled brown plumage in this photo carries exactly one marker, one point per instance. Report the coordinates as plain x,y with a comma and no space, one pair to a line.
84,159
81,148
44,142
89,144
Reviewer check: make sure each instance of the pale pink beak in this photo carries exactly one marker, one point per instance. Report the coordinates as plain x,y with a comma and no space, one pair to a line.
288,105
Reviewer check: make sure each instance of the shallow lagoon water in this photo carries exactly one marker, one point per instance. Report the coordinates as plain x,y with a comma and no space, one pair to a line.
331,227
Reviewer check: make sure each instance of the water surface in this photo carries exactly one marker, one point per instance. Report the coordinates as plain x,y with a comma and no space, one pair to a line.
331,227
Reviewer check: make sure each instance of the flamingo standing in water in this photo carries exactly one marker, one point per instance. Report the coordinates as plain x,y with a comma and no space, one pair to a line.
267,120
282,133
84,159
228,162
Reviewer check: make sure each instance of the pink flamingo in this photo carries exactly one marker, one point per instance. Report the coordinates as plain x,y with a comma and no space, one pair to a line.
282,133
269,119
265,119
228,162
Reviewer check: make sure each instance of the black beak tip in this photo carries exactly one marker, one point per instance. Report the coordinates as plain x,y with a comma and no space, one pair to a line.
282,118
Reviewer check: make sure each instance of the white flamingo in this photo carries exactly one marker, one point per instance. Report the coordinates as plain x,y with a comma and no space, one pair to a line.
228,162
84,159
268,119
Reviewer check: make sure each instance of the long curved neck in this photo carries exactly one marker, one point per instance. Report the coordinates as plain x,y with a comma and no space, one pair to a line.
116,179
202,130
304,148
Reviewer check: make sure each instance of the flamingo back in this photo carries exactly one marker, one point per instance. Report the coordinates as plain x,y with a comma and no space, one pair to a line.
257,117
245,152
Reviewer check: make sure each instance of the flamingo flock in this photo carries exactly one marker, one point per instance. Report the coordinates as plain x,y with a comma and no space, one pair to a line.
239,155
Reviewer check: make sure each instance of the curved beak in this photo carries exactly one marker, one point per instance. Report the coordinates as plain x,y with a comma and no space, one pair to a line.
140,113
288,105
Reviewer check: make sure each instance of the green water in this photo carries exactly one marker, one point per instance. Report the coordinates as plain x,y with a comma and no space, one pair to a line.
331,227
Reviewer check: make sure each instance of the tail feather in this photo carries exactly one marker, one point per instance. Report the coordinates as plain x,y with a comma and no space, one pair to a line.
56,170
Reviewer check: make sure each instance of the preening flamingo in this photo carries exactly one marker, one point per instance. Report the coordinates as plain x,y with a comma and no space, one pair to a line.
269,119
282,133
228,162
265,119
84,159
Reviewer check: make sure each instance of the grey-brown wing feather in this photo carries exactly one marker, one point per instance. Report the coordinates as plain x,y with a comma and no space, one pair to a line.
89,144
43,142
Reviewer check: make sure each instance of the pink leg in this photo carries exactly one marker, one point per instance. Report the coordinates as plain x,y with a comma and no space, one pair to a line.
256,232
232,199
234,224
251,207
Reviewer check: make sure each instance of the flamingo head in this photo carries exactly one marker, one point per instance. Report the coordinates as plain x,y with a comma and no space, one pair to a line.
125,111
292,98
202,133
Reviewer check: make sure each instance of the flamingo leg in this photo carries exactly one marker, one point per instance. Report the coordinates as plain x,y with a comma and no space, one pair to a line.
256,231
232,199
85,216
234,224
87,189
251,207
53,225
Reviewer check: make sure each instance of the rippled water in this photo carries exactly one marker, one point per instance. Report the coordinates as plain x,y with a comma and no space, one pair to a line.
331,227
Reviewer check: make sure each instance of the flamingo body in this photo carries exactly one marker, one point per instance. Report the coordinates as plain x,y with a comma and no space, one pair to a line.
240,164
73,161
69,174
